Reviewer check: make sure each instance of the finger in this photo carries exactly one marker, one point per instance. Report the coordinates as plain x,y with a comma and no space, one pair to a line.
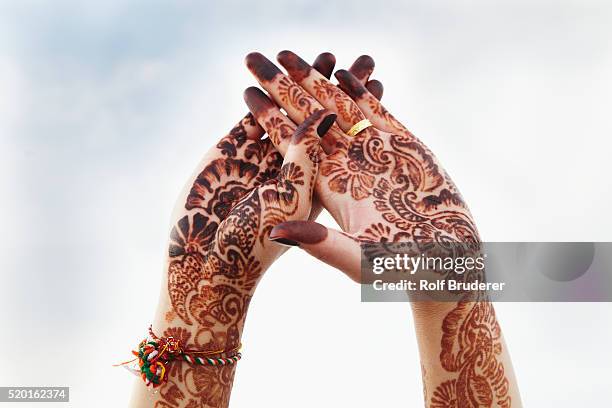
239,162
362,68
303,156
290,197
328,245
298,103
244,143
368,103
375,88
284,91
278,126
325,64
322,89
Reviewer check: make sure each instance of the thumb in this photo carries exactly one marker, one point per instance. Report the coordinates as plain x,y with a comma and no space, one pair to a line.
333,247
302,158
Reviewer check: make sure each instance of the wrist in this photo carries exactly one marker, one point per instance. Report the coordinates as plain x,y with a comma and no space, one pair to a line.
428,311
209,332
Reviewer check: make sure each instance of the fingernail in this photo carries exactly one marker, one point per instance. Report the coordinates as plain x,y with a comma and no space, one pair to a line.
325,124
299,232
306,125
261,67
285,242
297,68
257,101
362,67
349,84
325,64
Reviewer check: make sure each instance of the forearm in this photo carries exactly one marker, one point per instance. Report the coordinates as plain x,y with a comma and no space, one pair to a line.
207,386
464,360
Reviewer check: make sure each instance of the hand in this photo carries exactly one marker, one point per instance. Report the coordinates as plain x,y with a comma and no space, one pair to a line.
385,185
382,185
219,248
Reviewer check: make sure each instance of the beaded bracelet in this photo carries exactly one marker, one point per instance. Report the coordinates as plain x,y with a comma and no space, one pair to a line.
156,354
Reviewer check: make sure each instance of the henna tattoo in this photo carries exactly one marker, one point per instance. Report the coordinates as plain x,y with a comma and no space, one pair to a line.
379,110
350,84
212,269
325,63
207,386
278,129
191,236
347,110
414,200
296,67
355,170
376,88
471,348
362,68
227,179
215,250
281,200
377,232
261,67
292,94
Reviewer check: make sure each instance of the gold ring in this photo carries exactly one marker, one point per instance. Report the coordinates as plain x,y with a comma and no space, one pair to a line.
359,127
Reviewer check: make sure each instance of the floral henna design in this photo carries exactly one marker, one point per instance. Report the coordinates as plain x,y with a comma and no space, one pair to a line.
355,171
385,115
228,178
278,129
281,201
323,89
389,169
219,249
212,269
224,267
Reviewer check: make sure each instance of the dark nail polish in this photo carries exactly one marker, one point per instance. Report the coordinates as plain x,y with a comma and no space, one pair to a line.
261,67
325,124
285,241
307,232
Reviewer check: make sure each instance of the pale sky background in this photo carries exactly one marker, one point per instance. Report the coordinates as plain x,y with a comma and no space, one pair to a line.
106,107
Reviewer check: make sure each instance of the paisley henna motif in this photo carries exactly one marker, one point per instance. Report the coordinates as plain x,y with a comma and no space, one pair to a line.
324,89
471,347
215,252
281,201
291,94
389,187
278,130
